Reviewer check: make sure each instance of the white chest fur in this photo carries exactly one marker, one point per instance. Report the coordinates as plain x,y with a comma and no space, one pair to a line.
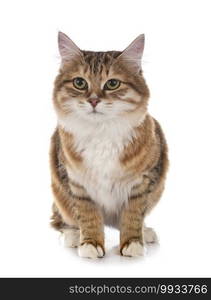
102,176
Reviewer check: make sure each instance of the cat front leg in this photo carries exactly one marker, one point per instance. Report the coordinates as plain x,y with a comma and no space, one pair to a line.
91,226
132,228
81,222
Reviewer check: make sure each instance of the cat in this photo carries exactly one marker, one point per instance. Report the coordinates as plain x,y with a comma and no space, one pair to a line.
108,156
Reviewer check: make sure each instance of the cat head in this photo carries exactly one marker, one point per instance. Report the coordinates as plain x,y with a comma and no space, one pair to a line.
96,87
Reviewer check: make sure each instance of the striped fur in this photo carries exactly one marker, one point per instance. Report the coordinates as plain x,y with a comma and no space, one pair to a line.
107,167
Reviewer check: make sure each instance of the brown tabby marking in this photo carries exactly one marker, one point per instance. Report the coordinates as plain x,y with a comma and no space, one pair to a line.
142,161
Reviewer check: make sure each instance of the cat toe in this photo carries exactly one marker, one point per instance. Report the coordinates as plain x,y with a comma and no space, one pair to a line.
150,235
133,249
90,251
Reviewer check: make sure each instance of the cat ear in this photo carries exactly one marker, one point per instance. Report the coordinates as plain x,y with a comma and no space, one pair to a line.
67,48
133,53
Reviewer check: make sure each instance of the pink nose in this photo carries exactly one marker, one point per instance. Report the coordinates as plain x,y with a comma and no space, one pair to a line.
94,101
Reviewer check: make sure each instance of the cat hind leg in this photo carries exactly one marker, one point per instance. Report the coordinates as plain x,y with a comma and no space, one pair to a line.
71,232
150,235
71,237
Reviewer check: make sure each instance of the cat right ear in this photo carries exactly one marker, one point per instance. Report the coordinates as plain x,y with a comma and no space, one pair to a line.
67,48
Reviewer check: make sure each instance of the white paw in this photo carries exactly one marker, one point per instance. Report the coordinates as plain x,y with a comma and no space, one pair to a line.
133,249
71,237
149,235
90,251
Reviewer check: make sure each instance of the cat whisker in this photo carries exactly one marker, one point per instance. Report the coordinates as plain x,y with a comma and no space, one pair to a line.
108,160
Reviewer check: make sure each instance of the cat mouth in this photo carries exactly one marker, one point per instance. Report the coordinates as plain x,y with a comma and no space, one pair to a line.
95,112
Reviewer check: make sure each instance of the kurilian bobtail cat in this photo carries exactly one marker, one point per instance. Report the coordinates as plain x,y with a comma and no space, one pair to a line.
108,155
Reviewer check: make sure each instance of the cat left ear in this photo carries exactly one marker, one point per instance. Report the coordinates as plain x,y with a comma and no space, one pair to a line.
133,53
67,48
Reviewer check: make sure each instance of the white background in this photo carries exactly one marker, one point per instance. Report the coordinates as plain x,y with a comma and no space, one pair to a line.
177,64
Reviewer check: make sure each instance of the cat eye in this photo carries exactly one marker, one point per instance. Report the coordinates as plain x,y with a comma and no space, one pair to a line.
80,83
112,84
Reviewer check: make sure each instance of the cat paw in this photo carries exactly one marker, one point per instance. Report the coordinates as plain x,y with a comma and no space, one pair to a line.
150,235
71,237
133,249
90,251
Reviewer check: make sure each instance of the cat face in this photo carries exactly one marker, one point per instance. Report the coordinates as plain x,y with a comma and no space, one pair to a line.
100,86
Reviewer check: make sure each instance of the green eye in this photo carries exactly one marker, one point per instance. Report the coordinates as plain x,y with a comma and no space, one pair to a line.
112,84
80,83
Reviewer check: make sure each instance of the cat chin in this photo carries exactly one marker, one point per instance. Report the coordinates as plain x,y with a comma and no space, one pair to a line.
88,119
95,116
78,122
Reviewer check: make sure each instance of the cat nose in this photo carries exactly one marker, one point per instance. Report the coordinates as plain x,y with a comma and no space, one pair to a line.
94,101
